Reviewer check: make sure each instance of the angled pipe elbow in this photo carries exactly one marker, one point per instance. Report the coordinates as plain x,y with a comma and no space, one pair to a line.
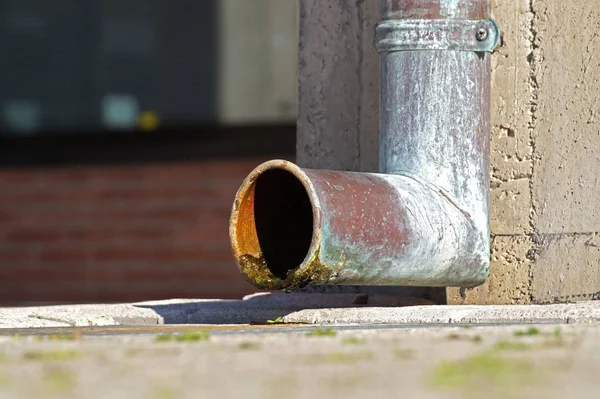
292,227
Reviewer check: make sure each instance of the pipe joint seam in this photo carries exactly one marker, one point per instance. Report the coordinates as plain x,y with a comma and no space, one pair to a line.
437,34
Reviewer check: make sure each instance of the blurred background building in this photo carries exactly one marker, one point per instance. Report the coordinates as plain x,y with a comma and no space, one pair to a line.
126,127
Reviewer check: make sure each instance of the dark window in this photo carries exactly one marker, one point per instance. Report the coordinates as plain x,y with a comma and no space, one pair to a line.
85,66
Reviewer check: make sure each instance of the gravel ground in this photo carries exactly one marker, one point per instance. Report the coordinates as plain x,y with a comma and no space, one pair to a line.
302,362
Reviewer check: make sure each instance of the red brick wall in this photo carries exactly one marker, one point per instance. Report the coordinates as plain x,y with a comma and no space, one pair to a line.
119,233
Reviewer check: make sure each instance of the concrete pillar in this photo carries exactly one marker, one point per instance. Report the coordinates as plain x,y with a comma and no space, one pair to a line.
545,211
338,85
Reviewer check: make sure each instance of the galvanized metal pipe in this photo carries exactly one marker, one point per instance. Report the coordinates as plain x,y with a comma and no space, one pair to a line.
424,220
435,110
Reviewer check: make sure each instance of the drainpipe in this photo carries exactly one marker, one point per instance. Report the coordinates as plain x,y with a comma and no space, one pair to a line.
423,220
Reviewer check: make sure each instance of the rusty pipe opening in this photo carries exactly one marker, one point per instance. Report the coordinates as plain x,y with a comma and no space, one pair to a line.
283,219
273,230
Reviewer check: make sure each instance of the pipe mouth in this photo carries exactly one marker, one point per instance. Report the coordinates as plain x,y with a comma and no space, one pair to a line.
275,227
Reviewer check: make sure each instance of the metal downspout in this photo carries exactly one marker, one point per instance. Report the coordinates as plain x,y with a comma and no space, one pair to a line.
423,221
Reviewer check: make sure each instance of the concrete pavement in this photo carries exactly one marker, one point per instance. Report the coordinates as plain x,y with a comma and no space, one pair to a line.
321,346
295,308
550,361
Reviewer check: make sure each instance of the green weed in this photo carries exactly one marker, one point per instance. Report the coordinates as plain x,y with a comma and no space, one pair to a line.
322,332
188,336
353,341
530,332
484,370
512,346
348,357
249,346
55,355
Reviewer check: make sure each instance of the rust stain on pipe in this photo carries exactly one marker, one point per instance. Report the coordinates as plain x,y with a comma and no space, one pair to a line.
434,9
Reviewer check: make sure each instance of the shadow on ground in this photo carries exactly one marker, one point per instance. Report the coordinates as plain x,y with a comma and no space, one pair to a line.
264,307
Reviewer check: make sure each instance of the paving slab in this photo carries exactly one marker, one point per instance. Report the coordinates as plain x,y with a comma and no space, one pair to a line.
252,308
294,308
584,312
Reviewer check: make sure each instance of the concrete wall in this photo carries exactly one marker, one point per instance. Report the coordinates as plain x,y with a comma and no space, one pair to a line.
545,211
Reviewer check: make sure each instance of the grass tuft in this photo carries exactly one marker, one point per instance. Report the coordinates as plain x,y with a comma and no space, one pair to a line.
322,332
348,357
458,337
485,370
557,333
512,346
530,332
353,341
165,392
56,355
249,346
59,337
188,336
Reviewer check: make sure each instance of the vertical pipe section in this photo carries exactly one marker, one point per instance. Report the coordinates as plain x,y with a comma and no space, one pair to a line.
435,110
